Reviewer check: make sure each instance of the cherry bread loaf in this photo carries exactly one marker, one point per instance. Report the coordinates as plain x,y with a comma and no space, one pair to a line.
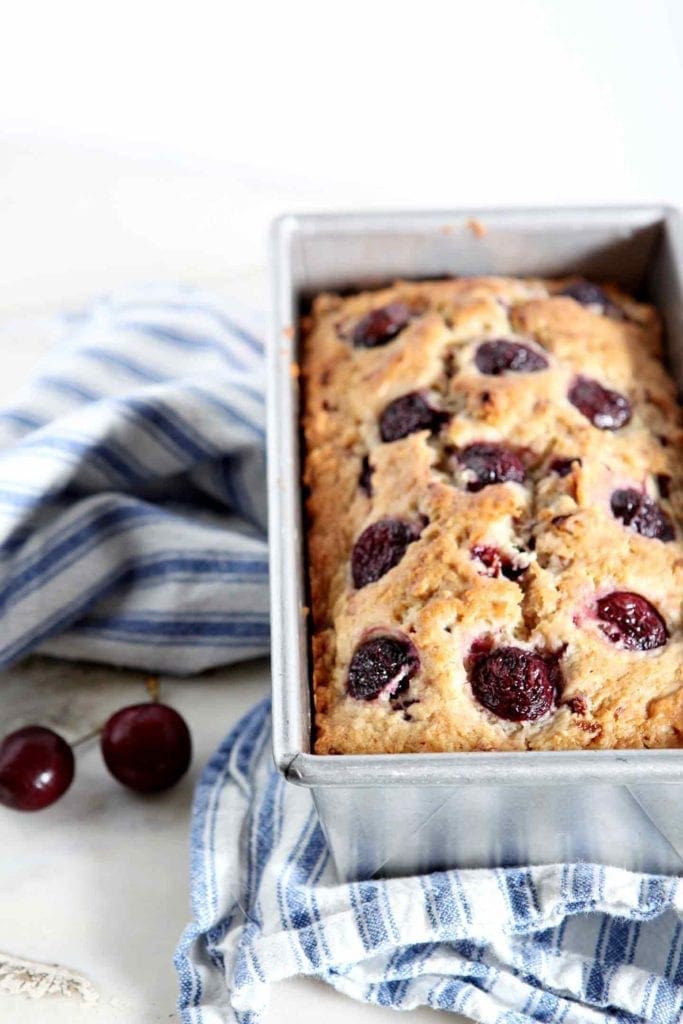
494,485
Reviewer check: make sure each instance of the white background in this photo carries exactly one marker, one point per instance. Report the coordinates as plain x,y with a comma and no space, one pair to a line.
148,140
145,138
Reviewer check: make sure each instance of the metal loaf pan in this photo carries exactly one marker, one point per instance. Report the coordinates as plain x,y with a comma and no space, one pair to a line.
398,814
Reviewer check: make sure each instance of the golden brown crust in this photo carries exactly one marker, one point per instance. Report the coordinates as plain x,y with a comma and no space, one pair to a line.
575,548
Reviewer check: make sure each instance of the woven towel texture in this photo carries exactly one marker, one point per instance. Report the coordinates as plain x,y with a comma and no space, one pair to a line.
567,944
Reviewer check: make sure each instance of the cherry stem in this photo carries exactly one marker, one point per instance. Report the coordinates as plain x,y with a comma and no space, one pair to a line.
88,736
152,687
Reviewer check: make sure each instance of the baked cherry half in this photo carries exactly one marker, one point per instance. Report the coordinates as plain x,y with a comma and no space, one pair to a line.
500,356
514,684
490,464
642,514
379,548
381,664
380,326
408,414
605,409
631,621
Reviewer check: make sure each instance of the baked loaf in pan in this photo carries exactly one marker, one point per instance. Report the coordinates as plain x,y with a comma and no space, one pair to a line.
494,483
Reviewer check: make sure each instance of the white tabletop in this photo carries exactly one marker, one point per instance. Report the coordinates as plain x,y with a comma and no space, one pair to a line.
125,161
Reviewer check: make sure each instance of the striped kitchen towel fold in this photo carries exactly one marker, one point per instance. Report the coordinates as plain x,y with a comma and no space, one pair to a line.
567,944
132,488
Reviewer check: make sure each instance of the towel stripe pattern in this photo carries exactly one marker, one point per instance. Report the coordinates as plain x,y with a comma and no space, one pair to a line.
559,944
132,488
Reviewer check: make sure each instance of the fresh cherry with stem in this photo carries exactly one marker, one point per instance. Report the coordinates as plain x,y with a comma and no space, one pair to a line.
147,747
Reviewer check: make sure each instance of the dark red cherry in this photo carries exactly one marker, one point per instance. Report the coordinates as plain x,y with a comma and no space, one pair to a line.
490,464
481,645
408,414
147,747
384,663
563,467
514,684
587,293
642,514
496,357
380,326
631,621
605,409
36,768
379,548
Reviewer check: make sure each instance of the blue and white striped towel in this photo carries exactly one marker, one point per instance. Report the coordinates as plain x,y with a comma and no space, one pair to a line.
132,492
577,944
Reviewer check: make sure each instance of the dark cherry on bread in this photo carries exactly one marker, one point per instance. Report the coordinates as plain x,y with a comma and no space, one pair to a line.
408,414
380,547
588,294
631,621
382,664
642,514
380,326
491,464
605,409
514,684
500,356
585,292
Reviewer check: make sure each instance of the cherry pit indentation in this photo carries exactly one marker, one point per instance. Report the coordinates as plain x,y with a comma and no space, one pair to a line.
604,408
631,621
515,684
500,356
642,514
382,664
408,414
380,326
380,547
487,463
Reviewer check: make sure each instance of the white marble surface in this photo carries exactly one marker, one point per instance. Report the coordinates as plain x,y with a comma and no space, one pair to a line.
98,882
